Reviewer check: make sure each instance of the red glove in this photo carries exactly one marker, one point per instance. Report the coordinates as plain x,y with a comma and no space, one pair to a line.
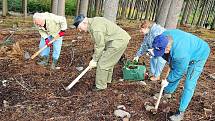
47,42
61,33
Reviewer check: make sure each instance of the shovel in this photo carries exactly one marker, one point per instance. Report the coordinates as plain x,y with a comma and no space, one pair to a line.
164,84
38,52
153,109
77,79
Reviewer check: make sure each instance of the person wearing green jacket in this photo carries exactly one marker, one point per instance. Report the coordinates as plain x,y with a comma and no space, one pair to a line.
49,26
110,43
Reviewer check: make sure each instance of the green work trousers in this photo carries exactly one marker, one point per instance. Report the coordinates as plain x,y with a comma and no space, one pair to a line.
106,64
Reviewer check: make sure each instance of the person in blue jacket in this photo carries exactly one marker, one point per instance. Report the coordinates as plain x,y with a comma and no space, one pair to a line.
186,55
150,31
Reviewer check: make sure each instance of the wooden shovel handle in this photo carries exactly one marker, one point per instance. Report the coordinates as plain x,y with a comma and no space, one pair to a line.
159,97
41,49
77,79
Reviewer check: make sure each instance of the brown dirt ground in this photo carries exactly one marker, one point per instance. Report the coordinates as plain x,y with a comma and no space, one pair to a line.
36,93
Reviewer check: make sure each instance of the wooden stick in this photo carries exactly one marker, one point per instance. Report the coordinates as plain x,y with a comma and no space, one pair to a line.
38,52
77,79
159,97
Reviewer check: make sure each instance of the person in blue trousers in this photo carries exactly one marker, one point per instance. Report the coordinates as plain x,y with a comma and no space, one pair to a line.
49,26
150,31
186,55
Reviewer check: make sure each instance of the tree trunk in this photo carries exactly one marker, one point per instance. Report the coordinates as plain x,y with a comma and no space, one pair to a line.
61,8
213,24
97,7
119,11
211,9
24,7
142,9
101,9
83,7
138,7
132,4
196,9
148,9
54,6
158,9
173,14
134,10
184,16
4,8
189,11
155,10
110,10
89,9
202,13
124,8
162,15
77,7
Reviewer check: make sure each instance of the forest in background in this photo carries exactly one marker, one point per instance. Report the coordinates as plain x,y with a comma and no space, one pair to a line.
200,13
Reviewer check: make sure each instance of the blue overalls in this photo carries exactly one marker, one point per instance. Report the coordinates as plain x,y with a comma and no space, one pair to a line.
187,56
56,47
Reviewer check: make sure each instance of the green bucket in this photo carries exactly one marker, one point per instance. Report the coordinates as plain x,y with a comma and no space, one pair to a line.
133,71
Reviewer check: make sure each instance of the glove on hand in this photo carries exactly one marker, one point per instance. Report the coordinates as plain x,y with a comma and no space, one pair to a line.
47,42
150,52
92,64
136,58
164,82
61,33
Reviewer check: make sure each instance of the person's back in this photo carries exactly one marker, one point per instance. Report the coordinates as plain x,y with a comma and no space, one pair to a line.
186,45
111,30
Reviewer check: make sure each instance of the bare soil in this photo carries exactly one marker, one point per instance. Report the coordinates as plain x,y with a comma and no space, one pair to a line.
31,92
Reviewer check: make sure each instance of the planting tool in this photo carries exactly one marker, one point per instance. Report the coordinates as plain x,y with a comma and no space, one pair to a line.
77,79
163,84
38,52
154,109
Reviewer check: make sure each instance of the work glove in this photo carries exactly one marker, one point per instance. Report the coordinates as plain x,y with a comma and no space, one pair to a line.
164,82
136,59
92,64
150,52
47,42
61,33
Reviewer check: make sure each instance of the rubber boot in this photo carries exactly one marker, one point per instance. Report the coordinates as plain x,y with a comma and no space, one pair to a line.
44,61
53,65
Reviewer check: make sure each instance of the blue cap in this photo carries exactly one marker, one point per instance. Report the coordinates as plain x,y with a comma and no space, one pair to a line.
159,44
78,20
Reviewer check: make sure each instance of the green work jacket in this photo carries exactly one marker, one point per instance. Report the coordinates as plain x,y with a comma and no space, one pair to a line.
106,34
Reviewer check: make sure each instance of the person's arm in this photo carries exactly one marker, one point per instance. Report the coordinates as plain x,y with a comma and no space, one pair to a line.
143,48
62,21
168,70
178,68
43,34
99,44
